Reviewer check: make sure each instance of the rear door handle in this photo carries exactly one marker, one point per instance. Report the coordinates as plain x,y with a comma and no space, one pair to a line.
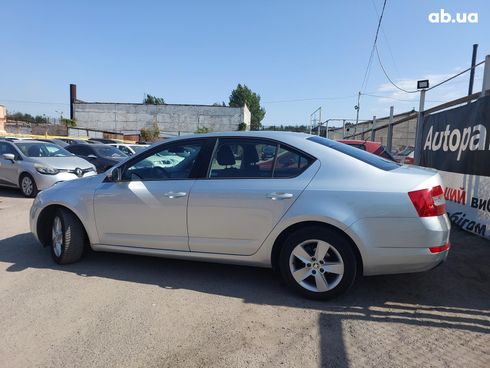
279,195
172,195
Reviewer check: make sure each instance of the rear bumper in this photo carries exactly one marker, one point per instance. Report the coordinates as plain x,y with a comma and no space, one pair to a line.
400,245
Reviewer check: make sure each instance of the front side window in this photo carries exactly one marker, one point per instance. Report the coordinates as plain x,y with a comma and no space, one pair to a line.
234,158
174,161
7,148
37,149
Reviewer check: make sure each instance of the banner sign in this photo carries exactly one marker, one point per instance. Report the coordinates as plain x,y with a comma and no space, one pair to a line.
457,144
456,140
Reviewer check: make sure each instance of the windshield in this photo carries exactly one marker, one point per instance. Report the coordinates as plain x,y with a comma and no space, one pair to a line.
109,151
42,149
369,158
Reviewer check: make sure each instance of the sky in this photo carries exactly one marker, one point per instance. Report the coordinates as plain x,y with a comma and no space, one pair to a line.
297,55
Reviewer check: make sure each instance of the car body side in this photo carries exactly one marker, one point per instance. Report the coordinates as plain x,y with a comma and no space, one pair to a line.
343,195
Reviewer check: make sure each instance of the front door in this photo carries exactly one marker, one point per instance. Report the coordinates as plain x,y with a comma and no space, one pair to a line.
9,171
148,207
250,186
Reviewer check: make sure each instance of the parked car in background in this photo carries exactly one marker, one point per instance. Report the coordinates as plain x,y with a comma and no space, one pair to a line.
409,159
403,154
322,215
102,156
375,148
130,149
103,140
35,165
73,141
59,142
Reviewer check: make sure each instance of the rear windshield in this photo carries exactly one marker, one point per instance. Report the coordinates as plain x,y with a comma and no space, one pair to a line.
357,153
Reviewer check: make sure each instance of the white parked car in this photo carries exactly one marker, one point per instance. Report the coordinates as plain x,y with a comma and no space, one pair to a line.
130,149
319,211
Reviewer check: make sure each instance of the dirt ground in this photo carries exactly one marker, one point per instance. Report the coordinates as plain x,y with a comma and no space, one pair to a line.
112,310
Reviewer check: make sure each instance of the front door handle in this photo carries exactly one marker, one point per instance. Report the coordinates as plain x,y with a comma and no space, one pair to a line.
175,194
279,195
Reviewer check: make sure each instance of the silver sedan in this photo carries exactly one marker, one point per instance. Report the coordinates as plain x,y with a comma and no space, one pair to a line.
318,211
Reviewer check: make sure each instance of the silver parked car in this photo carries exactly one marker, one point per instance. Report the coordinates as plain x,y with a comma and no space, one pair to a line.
318,211
35,165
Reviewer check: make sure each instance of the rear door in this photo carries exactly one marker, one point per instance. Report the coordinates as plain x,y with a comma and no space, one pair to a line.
249,186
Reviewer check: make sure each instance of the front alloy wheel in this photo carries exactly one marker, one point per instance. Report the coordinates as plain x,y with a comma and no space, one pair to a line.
67,237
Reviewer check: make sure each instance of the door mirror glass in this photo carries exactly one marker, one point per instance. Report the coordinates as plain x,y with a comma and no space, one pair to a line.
115,174
9,156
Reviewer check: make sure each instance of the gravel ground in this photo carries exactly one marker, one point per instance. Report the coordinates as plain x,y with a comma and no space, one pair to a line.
112,310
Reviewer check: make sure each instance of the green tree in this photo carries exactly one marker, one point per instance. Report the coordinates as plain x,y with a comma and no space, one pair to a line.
242,126
242,95
152,100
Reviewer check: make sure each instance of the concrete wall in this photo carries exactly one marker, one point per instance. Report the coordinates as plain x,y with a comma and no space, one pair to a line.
171,119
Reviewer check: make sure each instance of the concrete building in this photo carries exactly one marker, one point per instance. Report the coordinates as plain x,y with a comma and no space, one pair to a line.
172,119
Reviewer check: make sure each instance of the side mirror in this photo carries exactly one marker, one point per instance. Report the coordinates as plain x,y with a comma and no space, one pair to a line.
115,174
92,157
9,156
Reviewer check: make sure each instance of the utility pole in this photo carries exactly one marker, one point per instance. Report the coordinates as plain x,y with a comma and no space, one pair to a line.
389,138
486,77
472,71
358,106
418,134
373,132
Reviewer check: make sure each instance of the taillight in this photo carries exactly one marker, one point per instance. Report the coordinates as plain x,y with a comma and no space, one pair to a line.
429,202
440,249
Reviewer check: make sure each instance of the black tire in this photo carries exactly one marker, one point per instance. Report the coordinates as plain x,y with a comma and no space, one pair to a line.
339,247
73,238
28,191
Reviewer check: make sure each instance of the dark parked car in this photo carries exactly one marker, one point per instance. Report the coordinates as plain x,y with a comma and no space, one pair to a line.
101,155
58,142
73,141
103,140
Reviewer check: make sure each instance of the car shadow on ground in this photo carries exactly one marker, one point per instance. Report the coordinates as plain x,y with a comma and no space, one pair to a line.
455,295
10,193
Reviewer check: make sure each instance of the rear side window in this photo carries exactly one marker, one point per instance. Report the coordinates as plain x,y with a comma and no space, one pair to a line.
290,163
256,158
361,155
243,159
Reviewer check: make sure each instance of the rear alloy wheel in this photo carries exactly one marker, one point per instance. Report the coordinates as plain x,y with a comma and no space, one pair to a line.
28,186
317,263
67,237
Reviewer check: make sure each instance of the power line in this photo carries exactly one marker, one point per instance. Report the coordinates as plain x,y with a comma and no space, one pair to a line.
397,99
368,68
388,77
456,75
35,102
310,99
